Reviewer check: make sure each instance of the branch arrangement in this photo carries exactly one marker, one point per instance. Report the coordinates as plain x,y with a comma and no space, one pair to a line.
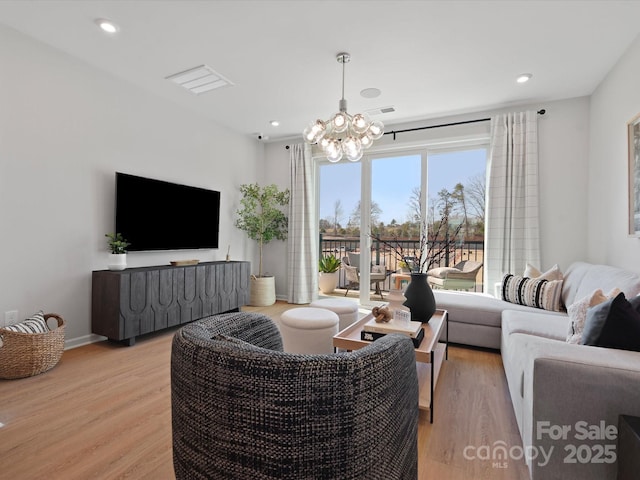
430,250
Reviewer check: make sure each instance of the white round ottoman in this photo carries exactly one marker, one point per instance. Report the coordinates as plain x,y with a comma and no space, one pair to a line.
347,310
308,330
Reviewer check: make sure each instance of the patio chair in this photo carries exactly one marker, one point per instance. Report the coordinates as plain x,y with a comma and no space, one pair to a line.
462,276
352,275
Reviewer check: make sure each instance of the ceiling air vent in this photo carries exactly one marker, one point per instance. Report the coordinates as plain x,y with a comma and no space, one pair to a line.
381,110
199,79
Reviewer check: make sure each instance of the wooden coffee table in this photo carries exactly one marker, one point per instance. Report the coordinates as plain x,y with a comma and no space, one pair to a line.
432,351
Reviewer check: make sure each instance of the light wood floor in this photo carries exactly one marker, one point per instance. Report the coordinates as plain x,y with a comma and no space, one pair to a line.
104,412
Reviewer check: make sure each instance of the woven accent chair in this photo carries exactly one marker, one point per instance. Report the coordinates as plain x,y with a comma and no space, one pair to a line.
243,409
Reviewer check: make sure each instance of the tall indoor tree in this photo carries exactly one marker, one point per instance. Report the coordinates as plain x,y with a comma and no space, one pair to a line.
262,217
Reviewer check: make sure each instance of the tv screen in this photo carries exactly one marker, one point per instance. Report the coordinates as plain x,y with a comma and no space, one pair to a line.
157,215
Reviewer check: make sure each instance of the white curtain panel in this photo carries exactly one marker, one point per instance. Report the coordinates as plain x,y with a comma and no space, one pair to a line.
302,238
512,223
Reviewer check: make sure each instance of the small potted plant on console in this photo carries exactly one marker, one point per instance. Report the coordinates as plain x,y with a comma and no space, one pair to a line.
118,248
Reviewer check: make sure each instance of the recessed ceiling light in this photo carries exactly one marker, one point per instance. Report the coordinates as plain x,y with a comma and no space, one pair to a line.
524,77
274,123
370,92
107,25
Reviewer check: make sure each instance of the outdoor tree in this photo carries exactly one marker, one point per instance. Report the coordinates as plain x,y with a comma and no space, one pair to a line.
475,192
458,196
445,204
415,205
337,215
376,211
324,224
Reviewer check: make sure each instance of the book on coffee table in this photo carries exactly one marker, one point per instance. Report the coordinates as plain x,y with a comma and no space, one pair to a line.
373,336
411,329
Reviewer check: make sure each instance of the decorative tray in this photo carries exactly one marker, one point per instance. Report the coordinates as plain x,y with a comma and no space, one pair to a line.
179,263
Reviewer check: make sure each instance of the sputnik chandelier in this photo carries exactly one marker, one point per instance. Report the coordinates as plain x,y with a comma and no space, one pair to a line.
344,134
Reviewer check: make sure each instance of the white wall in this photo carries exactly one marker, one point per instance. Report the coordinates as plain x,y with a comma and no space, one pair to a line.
613,104
563,150
276,171
65,128
563,134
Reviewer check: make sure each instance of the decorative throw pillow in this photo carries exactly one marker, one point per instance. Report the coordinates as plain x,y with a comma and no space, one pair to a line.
552,296
613,324
533,292
553,273
441,272
33,324
578,313
531,272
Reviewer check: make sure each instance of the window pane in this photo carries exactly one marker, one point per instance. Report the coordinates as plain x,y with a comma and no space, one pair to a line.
340,198
395,205
456,206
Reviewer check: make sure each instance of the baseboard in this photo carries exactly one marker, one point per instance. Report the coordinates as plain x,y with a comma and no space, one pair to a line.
84,340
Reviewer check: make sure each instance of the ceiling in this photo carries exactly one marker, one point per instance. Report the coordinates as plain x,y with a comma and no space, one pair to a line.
428,58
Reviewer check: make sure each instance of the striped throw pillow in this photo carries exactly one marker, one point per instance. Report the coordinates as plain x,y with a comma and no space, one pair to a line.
33,324
533,292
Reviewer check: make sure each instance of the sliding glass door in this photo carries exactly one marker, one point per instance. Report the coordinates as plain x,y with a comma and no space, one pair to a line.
370,209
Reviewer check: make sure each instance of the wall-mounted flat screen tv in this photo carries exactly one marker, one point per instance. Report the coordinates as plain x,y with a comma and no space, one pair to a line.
157,215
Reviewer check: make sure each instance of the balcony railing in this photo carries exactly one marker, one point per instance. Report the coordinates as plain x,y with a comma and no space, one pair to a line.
382,254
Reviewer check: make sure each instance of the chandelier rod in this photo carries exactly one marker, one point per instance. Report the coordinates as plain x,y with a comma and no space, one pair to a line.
343,58
343,70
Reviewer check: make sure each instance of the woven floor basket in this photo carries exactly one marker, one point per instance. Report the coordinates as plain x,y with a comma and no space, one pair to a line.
28,354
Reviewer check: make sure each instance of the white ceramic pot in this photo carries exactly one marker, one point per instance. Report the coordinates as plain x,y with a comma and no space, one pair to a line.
327,281
117,261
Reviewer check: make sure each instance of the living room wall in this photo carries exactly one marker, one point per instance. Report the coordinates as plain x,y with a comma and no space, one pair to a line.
613,104
65,129
563,134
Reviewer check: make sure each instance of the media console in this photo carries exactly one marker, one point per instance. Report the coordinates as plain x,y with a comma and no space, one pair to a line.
136,301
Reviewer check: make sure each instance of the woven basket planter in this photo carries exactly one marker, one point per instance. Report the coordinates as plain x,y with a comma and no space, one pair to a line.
28,354
263,291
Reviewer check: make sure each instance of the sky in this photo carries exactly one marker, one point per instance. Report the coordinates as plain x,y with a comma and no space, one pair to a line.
393,179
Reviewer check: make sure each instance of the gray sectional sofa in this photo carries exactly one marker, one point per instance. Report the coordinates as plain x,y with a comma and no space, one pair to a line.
566,397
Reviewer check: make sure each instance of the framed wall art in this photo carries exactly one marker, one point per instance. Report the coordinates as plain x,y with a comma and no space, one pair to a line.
633,133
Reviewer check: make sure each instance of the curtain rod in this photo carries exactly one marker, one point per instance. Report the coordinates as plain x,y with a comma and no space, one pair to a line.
394,132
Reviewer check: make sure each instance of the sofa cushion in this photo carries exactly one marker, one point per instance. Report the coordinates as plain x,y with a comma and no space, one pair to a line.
470,307
480,308
613,324
520,332
582,278
541,324
533,292
441,272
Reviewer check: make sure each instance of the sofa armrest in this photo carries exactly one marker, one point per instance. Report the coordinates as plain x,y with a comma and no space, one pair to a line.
575,396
